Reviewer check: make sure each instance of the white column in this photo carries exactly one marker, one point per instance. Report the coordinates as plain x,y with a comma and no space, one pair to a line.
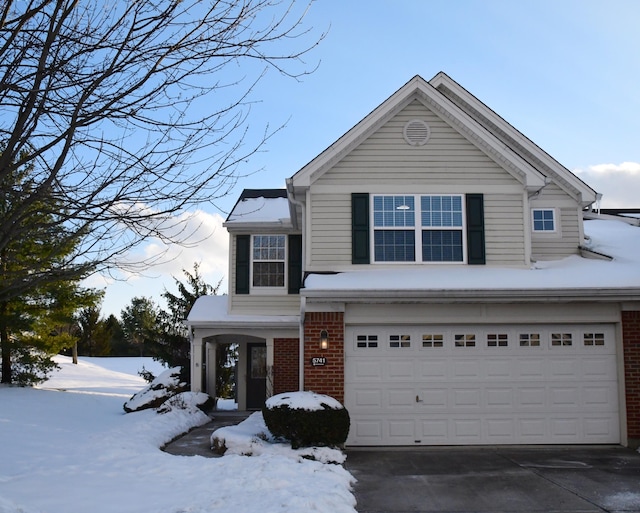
196,363
269,366
212,368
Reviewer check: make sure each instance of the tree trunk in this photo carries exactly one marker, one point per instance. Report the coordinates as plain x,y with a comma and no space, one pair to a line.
74,352
5,345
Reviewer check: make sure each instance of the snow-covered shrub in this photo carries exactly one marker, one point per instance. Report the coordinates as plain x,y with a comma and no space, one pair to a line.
166,385
307,419
187,401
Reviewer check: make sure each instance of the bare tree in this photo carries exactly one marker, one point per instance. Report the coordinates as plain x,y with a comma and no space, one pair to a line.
127,113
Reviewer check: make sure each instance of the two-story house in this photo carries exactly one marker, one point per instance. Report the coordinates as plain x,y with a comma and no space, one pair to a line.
431,270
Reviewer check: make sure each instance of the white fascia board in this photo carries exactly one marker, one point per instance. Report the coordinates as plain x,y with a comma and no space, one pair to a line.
586,295
334,153
418,88
257,226
588,195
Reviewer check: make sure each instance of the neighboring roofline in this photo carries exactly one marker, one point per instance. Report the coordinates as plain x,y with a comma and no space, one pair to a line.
548,295
588,195
601,215
257,193
260,225
419,89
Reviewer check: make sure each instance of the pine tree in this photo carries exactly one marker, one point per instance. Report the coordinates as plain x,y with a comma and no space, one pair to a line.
35,324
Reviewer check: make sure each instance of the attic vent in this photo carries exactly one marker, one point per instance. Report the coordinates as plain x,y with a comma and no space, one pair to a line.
416,132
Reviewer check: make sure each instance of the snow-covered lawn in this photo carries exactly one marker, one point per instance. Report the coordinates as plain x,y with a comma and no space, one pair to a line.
68,447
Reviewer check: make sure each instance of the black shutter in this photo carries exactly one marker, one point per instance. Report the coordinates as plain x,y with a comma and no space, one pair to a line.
295,263
359,228
243,261
475,229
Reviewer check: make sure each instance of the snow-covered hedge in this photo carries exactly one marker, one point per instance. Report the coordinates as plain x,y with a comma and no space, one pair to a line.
166,388
307,419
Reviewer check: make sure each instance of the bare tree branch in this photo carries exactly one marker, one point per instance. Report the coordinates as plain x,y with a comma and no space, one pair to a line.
127,113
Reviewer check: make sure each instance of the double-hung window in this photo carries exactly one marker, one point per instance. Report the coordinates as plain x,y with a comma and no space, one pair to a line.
268,263
418,228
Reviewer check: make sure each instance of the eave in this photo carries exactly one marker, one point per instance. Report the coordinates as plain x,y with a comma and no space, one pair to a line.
548,295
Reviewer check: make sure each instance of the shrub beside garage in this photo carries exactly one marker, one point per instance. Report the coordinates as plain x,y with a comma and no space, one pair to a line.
307,419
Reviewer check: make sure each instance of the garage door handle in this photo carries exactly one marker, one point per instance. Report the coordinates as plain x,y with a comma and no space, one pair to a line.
418,400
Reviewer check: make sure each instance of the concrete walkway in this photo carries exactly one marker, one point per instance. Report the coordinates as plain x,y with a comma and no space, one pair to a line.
197,441
577,479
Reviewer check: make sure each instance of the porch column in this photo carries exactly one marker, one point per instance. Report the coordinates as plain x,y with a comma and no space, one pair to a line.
269,342
196,363
211,369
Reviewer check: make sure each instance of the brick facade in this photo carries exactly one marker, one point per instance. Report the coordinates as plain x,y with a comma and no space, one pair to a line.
327,379
286,366
631,343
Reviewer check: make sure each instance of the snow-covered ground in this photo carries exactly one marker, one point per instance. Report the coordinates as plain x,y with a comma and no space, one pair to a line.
68,447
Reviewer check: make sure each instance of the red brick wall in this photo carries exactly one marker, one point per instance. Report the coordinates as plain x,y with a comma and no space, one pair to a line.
286,364
631,343
327,379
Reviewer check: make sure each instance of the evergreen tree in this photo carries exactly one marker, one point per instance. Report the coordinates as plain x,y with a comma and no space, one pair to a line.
36,323
94,337
139,323
172,345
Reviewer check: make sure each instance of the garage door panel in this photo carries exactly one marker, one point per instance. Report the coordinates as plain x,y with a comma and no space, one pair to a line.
497,398
516,390
400,370
401,397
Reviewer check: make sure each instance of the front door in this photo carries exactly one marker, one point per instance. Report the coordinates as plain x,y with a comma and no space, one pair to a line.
256,376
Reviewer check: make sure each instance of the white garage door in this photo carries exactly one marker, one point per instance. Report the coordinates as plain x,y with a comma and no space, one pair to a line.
443,385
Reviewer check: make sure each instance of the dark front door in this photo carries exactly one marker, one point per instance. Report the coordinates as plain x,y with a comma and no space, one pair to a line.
256,375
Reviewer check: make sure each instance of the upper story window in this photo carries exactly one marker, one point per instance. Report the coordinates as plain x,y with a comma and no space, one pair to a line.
268,260
434,235
544,220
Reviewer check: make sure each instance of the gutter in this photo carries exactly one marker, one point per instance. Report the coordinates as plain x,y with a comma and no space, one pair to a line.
582,295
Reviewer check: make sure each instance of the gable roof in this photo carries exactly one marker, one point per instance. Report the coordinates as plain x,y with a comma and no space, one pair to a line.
501,149
513,138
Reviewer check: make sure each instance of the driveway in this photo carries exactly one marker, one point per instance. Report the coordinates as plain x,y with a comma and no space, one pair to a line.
496,479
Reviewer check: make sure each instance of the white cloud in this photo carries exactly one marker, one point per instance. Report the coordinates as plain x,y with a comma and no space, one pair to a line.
205,241
619,184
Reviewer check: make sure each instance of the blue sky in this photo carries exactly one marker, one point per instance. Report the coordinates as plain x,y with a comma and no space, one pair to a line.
566,73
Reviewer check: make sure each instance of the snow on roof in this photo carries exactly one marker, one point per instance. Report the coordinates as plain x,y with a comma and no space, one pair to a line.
260,210
613,238
214,309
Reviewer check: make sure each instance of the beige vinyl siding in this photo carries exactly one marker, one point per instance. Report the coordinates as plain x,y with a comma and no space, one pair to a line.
503,229
331,230
561,244
385,157
258,304
566,239
385,163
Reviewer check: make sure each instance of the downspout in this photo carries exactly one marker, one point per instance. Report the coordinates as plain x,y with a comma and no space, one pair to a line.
303,300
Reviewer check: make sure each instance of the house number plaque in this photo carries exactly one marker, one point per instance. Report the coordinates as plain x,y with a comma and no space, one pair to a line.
318,361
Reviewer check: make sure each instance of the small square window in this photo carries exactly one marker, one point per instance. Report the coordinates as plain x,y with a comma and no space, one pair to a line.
431,340
366,341
399,341
497,340
561,339
529,339
593,339
466,340
544,220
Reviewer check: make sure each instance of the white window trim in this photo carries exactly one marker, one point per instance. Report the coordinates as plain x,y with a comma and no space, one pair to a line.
418,229
257,290
555,221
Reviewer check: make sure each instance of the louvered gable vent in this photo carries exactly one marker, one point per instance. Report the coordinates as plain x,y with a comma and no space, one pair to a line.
416,132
